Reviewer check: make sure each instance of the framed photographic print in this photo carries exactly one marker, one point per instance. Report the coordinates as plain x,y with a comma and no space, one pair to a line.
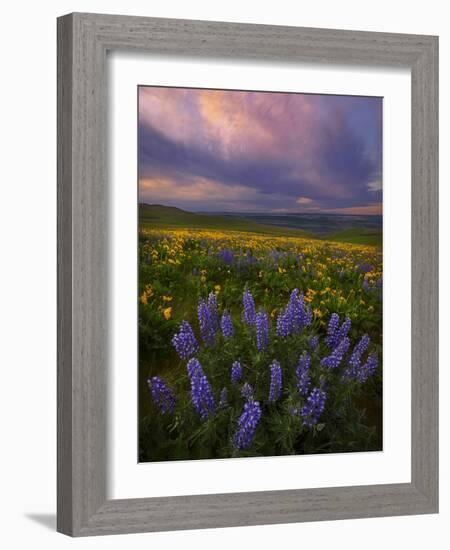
247,269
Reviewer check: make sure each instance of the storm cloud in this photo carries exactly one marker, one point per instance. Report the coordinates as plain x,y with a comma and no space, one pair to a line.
217,150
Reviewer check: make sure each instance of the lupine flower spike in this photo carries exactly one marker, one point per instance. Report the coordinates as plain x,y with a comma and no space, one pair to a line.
368,369
247,425
333,326
201,393
313,342
213,309
184,341
354,363
295,316
206,322
247,391
262,330
336,333
162,395
249,314
302,372
236,372
315,405
275,381
226,325
333,360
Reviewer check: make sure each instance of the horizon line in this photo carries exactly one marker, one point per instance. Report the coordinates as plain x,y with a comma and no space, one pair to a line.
261,211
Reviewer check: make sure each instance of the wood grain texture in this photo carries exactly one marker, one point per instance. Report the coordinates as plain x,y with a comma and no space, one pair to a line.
83,41
64,251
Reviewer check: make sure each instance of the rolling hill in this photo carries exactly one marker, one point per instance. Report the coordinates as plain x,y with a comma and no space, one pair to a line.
157,215
170,217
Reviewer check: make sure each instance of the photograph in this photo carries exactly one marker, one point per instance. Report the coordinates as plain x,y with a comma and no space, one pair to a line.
260,269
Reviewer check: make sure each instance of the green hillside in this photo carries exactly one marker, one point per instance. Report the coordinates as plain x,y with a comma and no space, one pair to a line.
357,236
169,217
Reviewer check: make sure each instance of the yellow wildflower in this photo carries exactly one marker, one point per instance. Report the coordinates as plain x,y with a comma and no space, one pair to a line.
167,312
147,293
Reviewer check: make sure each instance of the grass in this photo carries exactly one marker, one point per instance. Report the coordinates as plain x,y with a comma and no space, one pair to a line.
357,236
169,217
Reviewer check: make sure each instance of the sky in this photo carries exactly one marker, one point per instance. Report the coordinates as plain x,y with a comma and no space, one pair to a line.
234,151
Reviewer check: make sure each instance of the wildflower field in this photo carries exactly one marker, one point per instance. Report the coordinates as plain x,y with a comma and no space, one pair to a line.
253,344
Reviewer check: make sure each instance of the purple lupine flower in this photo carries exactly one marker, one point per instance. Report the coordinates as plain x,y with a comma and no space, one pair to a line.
226,324
223,401
247,391
336,333
226,255
206,322
343,331
275,381
247,424
333,360
313,342
365,268
236,372
362,345
295,315
333,326
213,309
304,313
201,393
302,372
262,330
365,285
300,316
162,395
249,314
368,369
354,363
283,324
184,341
314,407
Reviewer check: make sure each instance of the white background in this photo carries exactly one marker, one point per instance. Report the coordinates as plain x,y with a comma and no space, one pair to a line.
127,479
28,300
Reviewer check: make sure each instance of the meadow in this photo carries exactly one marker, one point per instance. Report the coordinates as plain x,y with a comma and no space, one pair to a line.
256,340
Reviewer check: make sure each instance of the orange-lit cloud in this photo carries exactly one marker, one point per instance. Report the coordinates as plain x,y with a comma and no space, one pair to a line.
304,200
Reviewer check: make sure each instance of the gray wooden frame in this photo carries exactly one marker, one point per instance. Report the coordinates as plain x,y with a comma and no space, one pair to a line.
83,41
